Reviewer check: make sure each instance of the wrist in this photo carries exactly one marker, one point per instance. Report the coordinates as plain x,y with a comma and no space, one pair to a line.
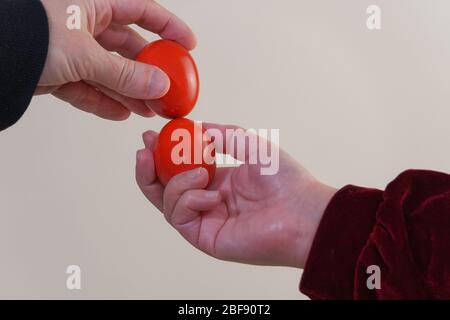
316,197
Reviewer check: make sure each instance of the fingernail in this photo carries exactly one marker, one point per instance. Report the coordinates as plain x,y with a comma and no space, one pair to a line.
159,84
196,173
139,154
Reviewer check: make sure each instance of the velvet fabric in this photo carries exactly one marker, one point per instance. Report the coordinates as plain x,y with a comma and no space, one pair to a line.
404,231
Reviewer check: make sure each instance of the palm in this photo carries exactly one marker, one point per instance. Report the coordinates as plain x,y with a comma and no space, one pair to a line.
258,217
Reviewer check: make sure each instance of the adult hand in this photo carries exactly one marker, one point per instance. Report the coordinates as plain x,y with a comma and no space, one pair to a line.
242,216
82,69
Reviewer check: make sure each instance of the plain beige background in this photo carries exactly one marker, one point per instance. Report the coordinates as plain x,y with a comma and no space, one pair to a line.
353,106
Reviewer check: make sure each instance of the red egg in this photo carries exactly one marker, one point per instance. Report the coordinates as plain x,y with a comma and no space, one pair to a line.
182,146
179,65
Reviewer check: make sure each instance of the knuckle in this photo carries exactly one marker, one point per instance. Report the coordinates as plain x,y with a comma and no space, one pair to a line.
84,66
103,12
126,74
75,69
187,200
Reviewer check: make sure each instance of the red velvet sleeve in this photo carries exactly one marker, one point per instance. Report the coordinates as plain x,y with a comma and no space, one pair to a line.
404,231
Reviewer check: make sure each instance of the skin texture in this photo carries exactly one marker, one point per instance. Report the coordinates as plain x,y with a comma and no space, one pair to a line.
82,69
242,216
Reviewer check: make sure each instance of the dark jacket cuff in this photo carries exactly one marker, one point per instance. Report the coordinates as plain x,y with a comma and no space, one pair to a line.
330,267
24,39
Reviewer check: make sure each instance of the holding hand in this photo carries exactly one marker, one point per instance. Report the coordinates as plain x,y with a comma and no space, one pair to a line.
242,216
81,68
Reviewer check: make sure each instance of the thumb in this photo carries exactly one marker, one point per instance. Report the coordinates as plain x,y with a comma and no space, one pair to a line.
130,78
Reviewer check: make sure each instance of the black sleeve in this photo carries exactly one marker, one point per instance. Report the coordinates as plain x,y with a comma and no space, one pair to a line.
24,37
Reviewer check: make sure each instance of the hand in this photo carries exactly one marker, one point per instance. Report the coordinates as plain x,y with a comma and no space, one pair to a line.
81,68
242,216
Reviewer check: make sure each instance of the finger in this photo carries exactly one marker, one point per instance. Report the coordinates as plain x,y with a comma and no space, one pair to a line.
134,105
155,18
40,90
127,77
191,204
194,179
123,40
87,98
235,141
150,137
146,178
